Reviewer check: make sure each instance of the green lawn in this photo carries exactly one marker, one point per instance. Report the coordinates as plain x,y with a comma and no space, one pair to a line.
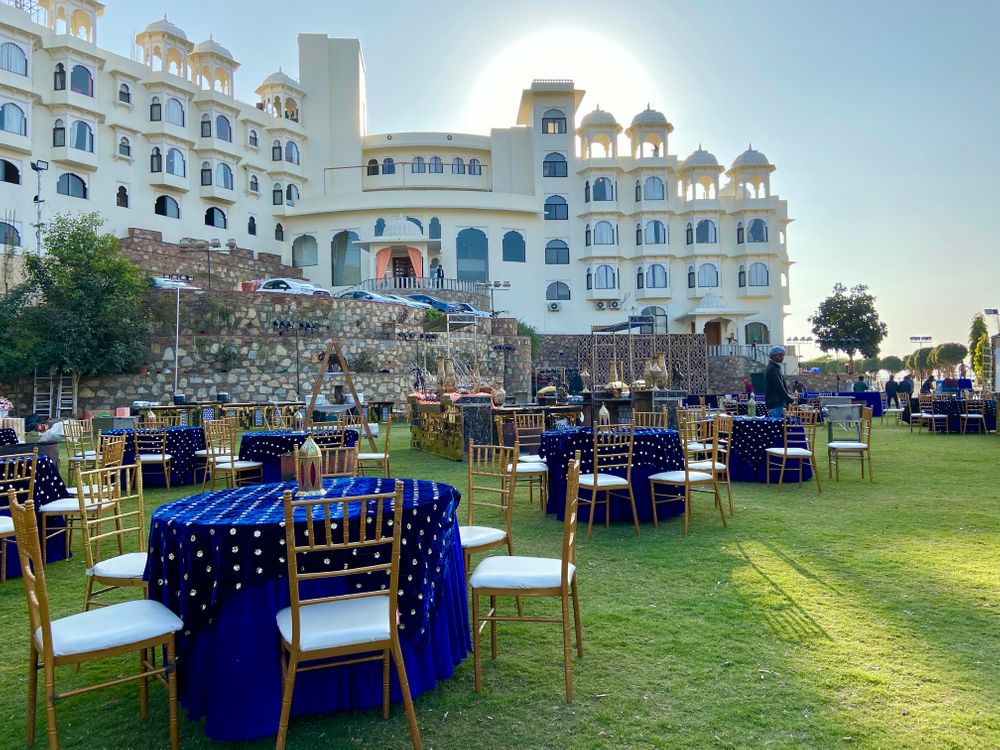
863,617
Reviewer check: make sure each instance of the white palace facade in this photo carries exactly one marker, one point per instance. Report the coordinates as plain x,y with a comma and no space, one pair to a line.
570,226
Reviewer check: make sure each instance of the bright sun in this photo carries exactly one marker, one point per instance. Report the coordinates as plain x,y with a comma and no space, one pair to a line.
609,73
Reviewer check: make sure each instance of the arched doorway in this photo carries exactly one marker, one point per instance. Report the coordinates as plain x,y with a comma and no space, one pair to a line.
713,333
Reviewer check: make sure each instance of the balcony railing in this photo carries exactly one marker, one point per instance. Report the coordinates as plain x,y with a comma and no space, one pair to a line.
757,353
429,284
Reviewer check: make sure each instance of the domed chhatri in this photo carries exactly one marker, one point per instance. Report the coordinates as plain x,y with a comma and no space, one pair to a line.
163,26
750,158
210,46
712,301
700,158
400,226
599,119
651,118
280,78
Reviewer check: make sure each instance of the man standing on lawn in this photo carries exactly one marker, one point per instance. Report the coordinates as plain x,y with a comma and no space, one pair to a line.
776,395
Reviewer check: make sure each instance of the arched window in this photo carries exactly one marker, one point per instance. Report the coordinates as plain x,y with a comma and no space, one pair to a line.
556,208
373,167
224,175
556,253
656,232
604,233
277,194
276,153
554,122
705,233
554,165
587,235
640,278
741,277
604,190
759,275
81,81
124,94
124,147
418,165
739,233
155,109
379,227
12,119
416,222
757,231
435,165
689,233
254,140
590,278
557,290
9,236
638,234
475,167
59,78
279,233
206,173
346,256
215,217
305,251
206,126
81,136
708,275
653,190
638,192
9,172
252,226
121,197
690,277
13,59
458,165
513,247
176,164
71,185
586,191
757,333
388,165
656,276
604,277
155,160
659,316
292,194
434,229
223,128
175,112
254,184
472,255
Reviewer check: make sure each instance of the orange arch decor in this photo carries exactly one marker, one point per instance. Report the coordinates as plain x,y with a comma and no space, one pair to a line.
382,261
417,261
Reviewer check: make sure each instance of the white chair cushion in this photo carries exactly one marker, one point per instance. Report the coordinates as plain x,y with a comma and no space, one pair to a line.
371,457
707,465
894,410
526,468
110,627
792,452
85,456
847,445
474,536
67,505
699,446
6,525
677,477
206,453
131,565
972,416
602,480
228,465
531,458
506,572
149,458
339,623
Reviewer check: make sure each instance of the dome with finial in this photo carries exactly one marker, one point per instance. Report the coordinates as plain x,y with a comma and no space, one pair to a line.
712,301
280,78
751,158
164,26
400,226
650,117
599,119
210,46
700,158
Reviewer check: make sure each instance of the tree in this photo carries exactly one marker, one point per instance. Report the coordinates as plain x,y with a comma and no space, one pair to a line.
870,365
847,321
982,354
892,364
825,364
977,330
918,362
947,356
86,318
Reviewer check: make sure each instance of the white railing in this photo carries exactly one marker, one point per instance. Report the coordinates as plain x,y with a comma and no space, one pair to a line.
757,353
427,284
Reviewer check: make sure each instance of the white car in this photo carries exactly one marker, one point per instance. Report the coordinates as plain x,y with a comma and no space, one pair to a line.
363,295
407,301
292,286
465,307
165,282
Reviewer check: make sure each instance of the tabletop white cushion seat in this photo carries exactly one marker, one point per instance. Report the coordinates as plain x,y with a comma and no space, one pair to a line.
6,524
475,536
129,566
678,477
514,572
111,627
371,457
707,465
229,465
339,623
151,458
847,445
790,452
531,458
523,467
602,480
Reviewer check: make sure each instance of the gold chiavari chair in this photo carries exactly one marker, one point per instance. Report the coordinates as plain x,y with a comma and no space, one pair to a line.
376,460
348,628
717,462
79,445
151,449
799,440
491,485
113,522
528,429
142,626
217,447
655,419
691,480
337,463
535,473
520,577
975,414
229,466
934,421
17,475
110,454
612,452
860,449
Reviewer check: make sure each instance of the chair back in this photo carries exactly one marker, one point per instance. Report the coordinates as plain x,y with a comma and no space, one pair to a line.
799,432
491,480
731,406
150,441
974,406
328,437
29,552
528,429
388,431
723,437
613,448
656,419
78,440
865,426
690,413
926,403
500,422
570,517
336,463
113,512
110,450
323,527
17,475
220,438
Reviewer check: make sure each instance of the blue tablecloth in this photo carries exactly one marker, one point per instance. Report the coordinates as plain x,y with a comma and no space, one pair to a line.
953,407
655,450
49,486
217,560
747,457
182,443
870,398
268,447
8,436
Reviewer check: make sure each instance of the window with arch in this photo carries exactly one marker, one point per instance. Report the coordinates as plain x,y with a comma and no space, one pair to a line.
557,290
279,232
373,167
276,152
379,227
472,255
124,94
292,194
254,184
59,77
252,226
81,80
253,139
759,275
554,122
659,316
740,234
13,120
640,278
434,229
71,185
653,189
638,191
604,190
513,247
13,59
691,277
224,175
638,234
708,275
458,165
345,254
9,236
175,112
757,231
587,236
305,251
121,197
388,165
223,128
554,165
206,173
155,160
689,233
656,276
656,232
277,194
176,163
215,217
757,333
418,165
604,277
741,277
155,109
556,208
705,232
475,167
124,147
556,253
81,136
435,165
9,172
590,278
206,126
604,233
416,222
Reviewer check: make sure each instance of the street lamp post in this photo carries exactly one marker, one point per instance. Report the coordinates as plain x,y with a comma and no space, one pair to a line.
280,327
191,245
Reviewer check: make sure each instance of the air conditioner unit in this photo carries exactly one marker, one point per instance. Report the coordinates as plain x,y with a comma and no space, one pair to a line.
613,304
600,304
555,306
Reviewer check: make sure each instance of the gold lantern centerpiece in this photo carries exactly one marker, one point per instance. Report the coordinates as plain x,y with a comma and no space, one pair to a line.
309,469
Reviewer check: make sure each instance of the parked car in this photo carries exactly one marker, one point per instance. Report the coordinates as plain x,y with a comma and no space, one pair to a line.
406,301
465,307
363,295
293,286
165,282
438,304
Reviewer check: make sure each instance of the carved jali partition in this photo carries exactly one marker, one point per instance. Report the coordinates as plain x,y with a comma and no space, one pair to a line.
686,356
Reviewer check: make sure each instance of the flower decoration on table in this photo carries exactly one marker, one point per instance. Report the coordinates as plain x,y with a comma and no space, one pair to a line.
5,406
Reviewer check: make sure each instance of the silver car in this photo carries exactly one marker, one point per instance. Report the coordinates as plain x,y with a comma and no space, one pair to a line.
292,286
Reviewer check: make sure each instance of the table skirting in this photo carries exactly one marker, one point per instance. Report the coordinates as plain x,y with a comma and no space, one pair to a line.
182,443
747,457
953,408
8,436
49,486
268,447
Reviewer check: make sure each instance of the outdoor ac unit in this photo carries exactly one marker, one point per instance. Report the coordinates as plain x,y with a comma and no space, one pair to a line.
613,304
600,305
555,306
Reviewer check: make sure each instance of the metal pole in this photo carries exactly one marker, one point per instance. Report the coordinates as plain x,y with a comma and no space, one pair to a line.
177,335
298,384
38,214
208,256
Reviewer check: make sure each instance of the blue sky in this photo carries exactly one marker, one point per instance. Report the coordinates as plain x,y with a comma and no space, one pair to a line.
882,118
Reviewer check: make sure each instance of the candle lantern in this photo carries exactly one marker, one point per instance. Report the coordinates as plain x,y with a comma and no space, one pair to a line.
309,468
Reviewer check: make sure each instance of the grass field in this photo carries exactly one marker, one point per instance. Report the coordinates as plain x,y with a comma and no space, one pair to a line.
866,616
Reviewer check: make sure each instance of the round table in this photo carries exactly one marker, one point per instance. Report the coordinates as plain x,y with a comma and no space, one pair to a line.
217,560
270,445
747,457
49,486
953,407
182,444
